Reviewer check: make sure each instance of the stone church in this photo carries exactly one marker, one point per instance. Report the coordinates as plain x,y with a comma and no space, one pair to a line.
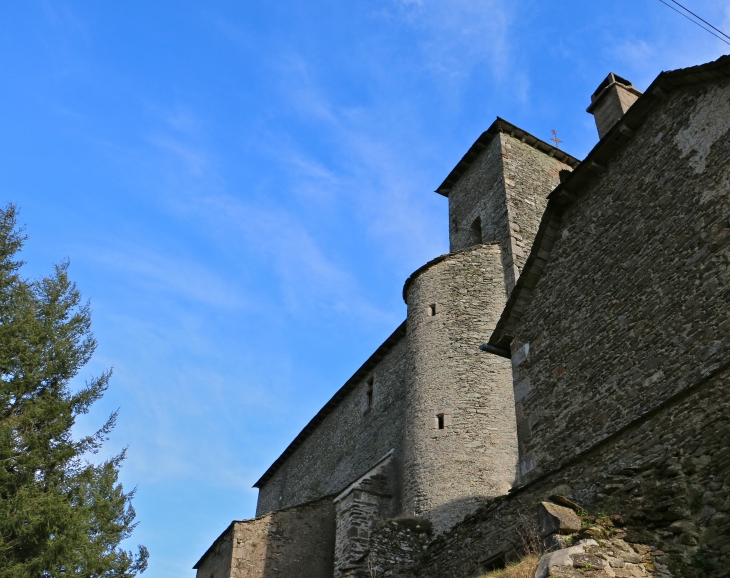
575,341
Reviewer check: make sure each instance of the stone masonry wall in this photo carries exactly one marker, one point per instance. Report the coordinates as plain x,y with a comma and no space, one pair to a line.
453,305
347,443
621,358
665,479
357,511
634,303
296,541
479,193
357,515
396,547
217,561
530,175
506,188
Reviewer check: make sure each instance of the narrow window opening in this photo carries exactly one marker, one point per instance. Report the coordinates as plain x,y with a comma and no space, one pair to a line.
432,310
475,232
369,394
440,418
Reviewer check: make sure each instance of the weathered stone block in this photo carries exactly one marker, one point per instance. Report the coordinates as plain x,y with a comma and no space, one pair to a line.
587,561
561,558
554,519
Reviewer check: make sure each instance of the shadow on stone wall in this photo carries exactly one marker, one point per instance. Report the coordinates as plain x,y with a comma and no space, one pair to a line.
300,541
665,481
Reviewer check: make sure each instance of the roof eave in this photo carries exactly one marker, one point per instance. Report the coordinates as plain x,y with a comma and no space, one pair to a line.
334,401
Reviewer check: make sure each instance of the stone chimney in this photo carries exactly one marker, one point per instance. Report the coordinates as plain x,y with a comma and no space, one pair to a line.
611,100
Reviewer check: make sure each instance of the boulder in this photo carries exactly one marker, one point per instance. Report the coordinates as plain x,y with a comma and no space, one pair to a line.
589,560
556,519
560,558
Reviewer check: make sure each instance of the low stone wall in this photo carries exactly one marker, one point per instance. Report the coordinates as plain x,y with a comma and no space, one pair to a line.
297,541
216,562
665,479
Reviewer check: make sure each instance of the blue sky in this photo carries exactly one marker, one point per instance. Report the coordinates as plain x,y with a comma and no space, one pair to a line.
243,187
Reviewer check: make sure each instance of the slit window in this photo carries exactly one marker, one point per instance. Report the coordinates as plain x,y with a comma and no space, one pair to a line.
475,232
369,394
442,420
432,310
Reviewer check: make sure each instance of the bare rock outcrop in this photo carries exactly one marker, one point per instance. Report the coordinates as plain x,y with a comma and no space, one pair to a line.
611,558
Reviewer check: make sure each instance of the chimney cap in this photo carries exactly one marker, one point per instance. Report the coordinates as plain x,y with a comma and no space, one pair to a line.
611,80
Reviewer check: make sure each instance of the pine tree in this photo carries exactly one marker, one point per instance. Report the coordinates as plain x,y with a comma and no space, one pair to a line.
60,514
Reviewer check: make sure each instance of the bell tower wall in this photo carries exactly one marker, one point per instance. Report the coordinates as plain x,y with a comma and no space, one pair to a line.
498,194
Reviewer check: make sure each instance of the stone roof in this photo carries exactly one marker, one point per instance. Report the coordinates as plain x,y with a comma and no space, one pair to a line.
574,184
500,126
334,401
435,261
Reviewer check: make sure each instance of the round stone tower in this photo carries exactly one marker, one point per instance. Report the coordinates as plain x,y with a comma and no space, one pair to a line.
460,433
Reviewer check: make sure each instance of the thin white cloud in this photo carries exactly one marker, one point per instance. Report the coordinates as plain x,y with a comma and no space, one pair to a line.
376,171
460,34
373,172
300,89
311,168
183,120
638,52
194,159
160,274
310,276
63,19
177,388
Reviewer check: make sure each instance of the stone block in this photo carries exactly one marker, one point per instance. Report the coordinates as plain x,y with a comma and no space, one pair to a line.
587,561
556,519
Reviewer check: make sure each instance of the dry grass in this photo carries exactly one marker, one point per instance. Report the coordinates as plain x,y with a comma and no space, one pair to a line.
525,568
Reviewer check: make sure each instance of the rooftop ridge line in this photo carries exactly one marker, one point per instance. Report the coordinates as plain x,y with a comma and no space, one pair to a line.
500,126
